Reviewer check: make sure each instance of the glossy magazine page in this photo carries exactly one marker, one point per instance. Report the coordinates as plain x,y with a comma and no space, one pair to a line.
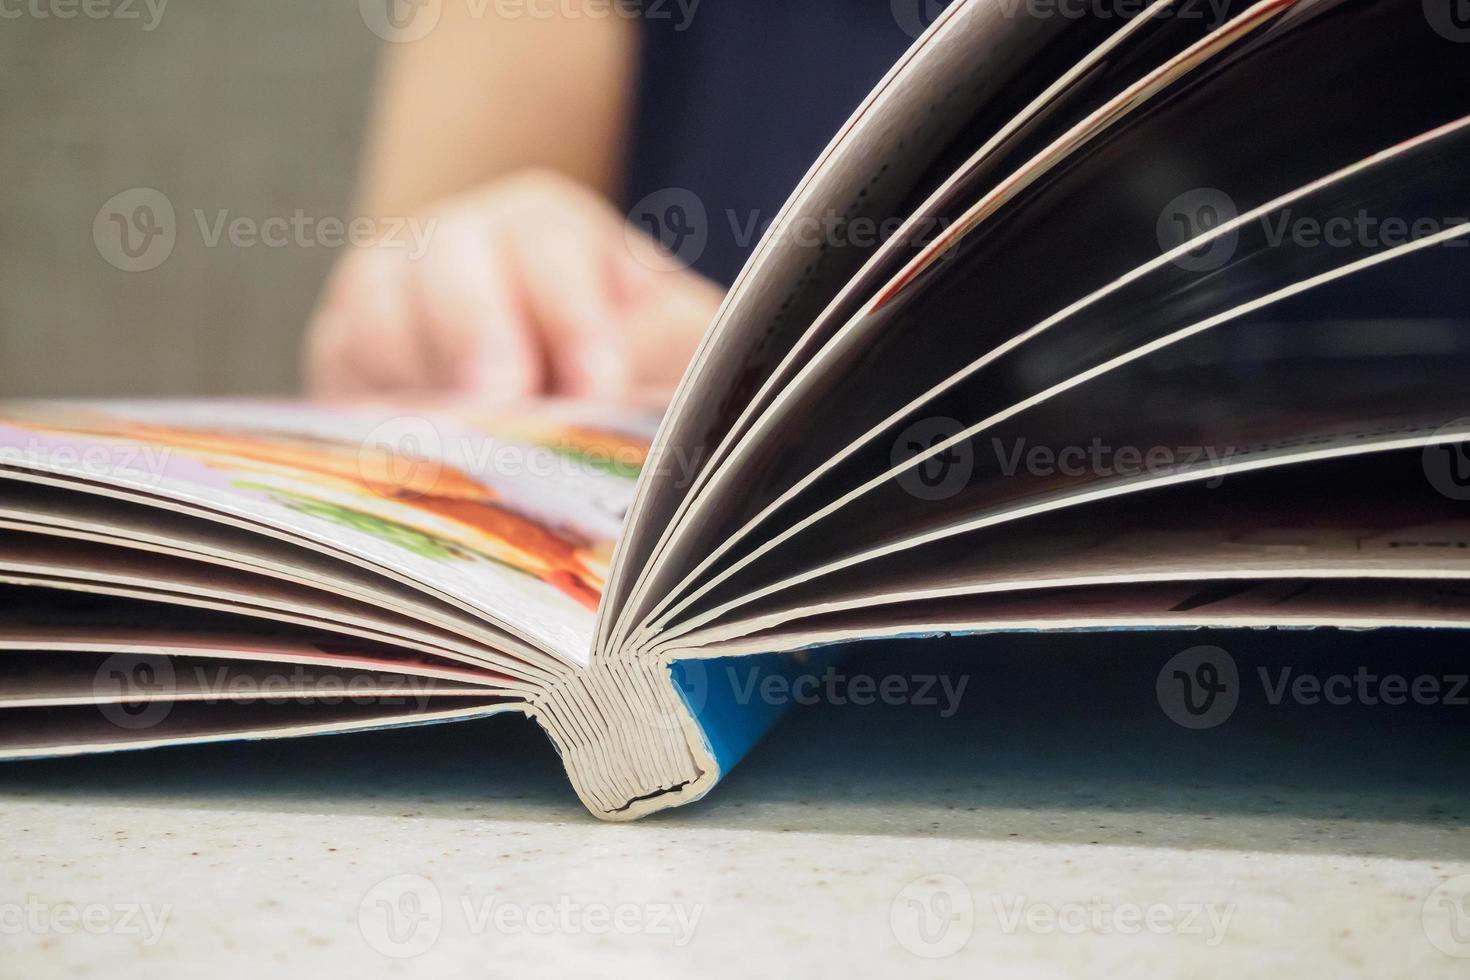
512,517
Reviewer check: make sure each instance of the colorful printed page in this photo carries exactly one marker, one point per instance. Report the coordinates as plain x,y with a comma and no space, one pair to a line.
514,515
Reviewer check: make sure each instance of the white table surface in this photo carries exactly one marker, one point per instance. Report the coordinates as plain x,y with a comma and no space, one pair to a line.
1298,845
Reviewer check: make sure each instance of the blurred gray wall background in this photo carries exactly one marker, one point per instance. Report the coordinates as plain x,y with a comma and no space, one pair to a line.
254,107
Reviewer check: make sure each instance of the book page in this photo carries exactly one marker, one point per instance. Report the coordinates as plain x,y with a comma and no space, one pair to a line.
1224,402
83,729
1133,52
63,680
107,518
1028,261
963,79
1134,326
1174,605
514,516
1251,526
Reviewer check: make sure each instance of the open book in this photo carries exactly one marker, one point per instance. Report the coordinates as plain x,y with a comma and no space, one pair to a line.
1114,362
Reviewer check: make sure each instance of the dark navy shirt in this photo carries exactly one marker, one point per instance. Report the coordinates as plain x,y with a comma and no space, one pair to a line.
738,97
736,101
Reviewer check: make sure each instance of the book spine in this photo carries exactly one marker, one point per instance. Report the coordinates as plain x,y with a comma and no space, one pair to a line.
627,738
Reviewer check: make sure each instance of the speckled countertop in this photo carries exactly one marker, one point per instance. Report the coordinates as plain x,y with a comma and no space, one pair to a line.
1047,829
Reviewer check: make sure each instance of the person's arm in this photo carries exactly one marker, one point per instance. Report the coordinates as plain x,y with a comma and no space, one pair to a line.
485,96
503,138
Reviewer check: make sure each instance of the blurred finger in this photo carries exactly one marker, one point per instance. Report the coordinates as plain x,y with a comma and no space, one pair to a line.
565,271
361,342
481,337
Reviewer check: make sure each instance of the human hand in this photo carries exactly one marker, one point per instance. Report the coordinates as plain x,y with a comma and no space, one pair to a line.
532,285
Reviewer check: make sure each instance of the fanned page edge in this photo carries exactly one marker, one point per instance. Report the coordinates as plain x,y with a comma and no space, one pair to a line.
702,748
713,730
809,346
1258,303
725,469
712,740
623,575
